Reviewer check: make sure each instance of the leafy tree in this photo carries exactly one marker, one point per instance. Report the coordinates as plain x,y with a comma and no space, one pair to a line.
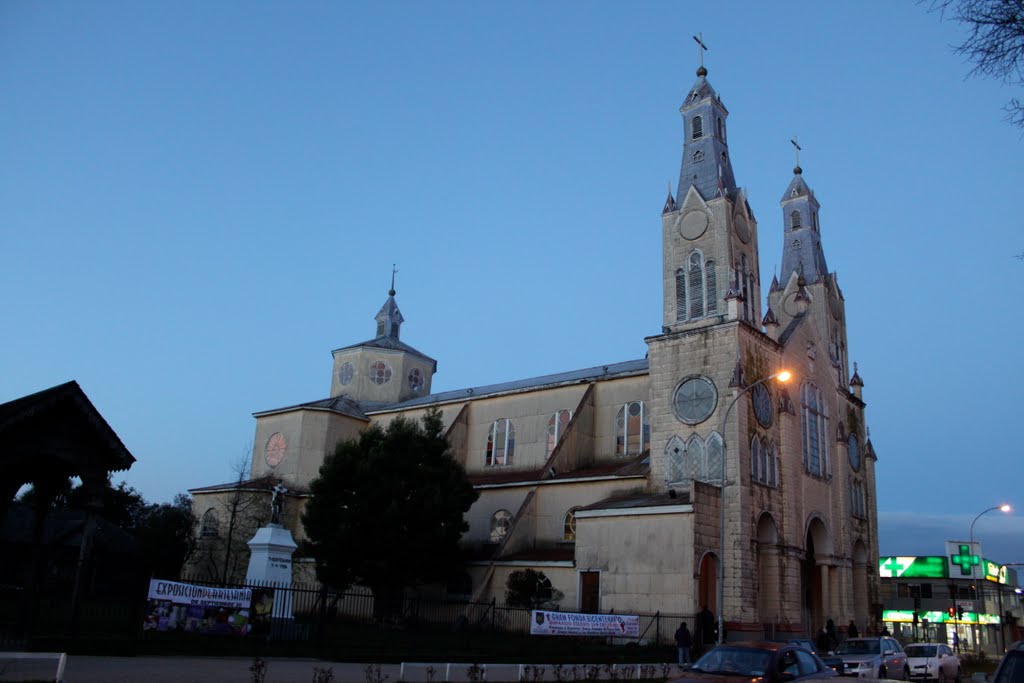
166,533
387,510
994,42
530,589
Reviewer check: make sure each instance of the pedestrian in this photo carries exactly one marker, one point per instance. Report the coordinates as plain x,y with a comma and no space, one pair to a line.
822,643
684,640
833,638
956,642
885,631
851,630
706,627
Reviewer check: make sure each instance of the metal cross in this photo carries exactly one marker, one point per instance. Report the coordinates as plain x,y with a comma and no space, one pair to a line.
700,51
393,271
796,150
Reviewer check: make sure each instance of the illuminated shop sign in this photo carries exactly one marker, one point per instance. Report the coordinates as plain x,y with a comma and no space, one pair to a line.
931,567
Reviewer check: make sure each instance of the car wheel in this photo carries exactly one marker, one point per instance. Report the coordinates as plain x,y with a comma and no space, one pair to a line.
942,675
957,679
881,672
906,673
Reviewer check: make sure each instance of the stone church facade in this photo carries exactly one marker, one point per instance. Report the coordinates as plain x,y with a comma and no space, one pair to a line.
609,479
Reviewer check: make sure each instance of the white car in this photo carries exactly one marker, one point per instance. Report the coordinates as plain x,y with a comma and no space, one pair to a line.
933,662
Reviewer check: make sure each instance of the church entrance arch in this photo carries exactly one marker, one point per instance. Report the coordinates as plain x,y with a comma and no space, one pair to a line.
707,583
814,577
768,572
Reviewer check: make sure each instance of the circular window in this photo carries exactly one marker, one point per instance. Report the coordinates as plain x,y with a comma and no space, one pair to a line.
275,450
380,372
346,372
763,409
853,448
501,522
694,400
415,379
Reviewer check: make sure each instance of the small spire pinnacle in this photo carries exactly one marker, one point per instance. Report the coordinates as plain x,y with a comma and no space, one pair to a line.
391,292
796,155
701,71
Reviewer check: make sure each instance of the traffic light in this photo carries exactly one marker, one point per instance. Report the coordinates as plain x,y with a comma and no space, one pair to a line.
952,612
959,612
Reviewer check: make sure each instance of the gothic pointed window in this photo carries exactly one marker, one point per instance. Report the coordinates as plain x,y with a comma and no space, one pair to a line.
695,285
745,290
814,427
755,460
763,452
697,128
680,295
712,287
794,220
773,466
501,443
557,425
721,129
633,430
210,527
714,457
697,458
675,453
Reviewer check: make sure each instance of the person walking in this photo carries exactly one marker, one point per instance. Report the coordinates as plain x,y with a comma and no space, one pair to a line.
706,628
851,630
956,642
684,641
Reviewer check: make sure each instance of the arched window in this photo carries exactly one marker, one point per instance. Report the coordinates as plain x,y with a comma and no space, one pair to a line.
745,290
501,524
794,220
557,425
501,443
698,155
755,459
210,528
773,466
858,501
711,281
697,128
814,426
633,430
680,295
695,284
697,458
675,453
714,457
721,129
569,525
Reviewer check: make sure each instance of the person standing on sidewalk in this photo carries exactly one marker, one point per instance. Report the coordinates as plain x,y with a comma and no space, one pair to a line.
683,643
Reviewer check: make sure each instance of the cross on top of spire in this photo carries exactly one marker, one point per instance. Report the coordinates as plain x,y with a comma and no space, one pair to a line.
796,155
701,71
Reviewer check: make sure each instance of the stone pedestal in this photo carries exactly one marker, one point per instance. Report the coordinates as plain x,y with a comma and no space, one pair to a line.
270,565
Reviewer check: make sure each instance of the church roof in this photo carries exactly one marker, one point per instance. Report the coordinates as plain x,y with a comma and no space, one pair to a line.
638,466
264,483
644,500
791,328
390,343
336,404
624,369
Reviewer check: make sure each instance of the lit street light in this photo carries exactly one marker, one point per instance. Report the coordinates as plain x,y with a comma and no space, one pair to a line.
980,590
782,376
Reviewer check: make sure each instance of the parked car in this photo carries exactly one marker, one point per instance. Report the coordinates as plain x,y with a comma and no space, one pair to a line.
876,657
769,662
933,661
1011,666
832,660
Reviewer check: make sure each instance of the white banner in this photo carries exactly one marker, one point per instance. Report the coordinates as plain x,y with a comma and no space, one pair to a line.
206,596
572,624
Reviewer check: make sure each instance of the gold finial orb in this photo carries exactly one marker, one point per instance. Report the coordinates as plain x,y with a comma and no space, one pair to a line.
797,170
702,71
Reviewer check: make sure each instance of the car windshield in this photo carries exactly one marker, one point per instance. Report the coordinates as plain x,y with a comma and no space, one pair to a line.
734,661
920,650
854,646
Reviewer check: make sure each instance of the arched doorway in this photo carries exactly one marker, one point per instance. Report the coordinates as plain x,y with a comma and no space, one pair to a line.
768,571
814,593
707,596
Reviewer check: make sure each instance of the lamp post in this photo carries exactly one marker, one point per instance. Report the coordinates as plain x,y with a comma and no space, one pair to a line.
782,376
981,597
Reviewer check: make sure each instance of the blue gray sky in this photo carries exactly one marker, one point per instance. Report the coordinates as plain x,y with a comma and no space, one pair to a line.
201,200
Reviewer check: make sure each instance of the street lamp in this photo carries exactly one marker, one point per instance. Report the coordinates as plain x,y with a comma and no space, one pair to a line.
981,597
782,376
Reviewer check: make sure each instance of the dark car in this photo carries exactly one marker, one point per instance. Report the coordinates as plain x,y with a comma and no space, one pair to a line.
832,660
1011,668
768,662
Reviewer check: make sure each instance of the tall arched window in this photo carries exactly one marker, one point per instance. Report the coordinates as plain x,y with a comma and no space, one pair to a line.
680,295
711,283
755,459
501,443
210,528
773,466
697,458
557,425
744,286
675,452
695,284
794,220
697,128
721,129
814,426
569,525
714,457
633,430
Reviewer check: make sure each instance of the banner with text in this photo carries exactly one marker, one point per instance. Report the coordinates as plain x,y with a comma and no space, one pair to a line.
207,596
573,624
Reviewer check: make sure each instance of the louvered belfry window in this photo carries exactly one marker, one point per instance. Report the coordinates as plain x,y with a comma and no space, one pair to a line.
697,128
680,295
696,285
710,280
794,220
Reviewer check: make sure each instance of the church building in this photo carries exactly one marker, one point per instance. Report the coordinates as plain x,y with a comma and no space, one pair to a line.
693,476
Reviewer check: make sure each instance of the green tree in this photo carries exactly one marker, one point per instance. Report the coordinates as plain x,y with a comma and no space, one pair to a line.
387,510
166,532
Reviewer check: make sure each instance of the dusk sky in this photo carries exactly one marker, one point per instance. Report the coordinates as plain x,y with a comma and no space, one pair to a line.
199,201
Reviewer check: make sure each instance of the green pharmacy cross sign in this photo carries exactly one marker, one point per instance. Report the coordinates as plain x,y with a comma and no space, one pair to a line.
965,560
926,567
